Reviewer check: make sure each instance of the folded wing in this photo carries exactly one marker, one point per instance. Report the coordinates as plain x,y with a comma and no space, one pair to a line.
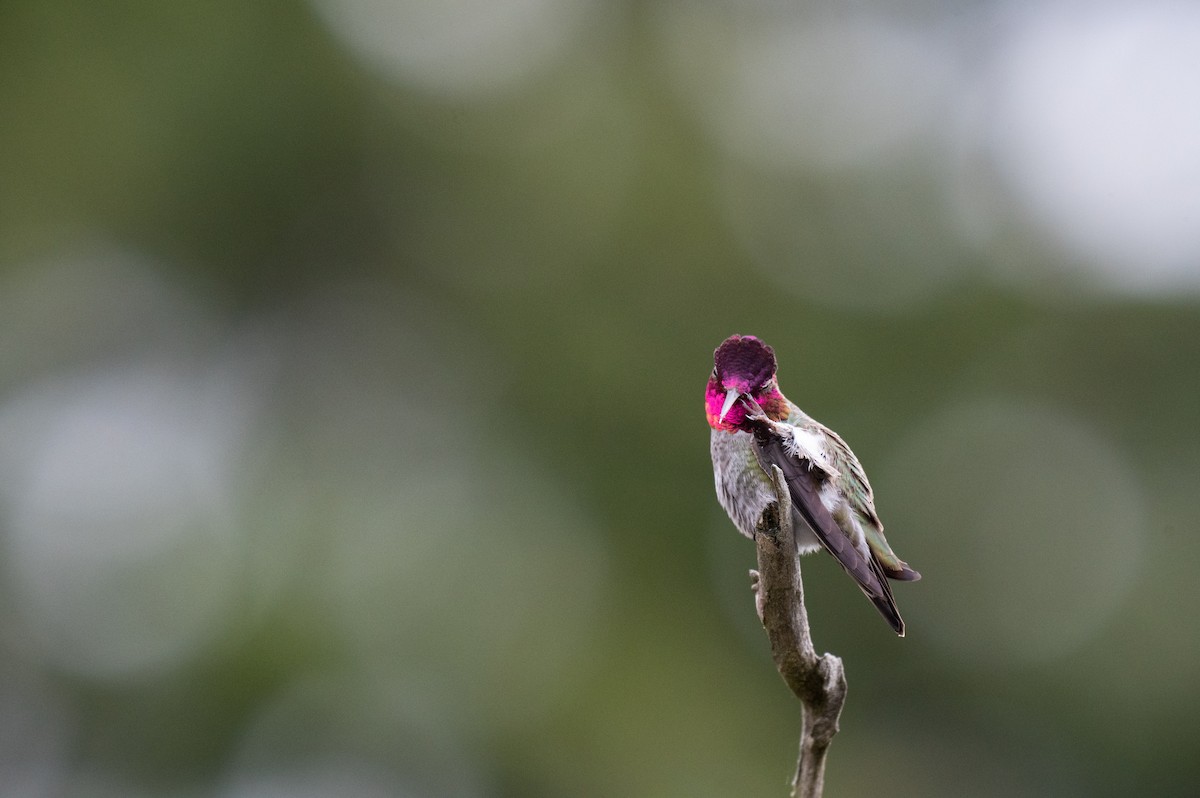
804,480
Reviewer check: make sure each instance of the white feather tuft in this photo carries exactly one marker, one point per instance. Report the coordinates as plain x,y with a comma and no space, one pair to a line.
807,445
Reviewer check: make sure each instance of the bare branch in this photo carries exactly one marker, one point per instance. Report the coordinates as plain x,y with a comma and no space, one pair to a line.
819,682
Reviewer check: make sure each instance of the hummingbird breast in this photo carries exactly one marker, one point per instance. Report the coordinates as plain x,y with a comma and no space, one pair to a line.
745,490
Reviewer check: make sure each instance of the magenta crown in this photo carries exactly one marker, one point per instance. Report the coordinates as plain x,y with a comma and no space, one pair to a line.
744,357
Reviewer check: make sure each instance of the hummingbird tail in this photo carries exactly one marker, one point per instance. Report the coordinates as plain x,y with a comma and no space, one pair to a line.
902,574
893,567
884,601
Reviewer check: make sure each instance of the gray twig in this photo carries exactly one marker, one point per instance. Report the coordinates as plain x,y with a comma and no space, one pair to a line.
819,682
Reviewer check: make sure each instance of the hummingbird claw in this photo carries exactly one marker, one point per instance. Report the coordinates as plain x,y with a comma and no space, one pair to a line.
759,601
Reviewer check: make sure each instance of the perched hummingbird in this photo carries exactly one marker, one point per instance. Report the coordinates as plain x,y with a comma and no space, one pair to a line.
754,426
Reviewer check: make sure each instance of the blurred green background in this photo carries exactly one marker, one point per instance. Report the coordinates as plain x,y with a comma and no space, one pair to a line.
351,359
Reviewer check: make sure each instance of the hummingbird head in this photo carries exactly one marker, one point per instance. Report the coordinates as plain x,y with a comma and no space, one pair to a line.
743,375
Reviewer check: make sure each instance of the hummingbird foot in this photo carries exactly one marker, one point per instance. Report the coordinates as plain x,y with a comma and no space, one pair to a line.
759,601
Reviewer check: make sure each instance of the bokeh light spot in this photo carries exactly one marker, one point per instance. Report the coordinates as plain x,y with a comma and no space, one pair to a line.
445,555
793,90
340,734
120,545
870,247
1097,131
1041,542
463,48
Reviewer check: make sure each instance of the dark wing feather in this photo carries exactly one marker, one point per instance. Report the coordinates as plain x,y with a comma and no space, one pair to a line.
804,488
862,499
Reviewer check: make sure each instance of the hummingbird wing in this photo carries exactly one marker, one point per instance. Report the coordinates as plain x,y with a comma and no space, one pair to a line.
857,490
804,481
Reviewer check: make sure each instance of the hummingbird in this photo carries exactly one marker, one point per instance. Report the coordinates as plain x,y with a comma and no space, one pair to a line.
754,426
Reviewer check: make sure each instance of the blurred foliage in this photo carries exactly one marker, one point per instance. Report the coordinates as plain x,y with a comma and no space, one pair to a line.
350,425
